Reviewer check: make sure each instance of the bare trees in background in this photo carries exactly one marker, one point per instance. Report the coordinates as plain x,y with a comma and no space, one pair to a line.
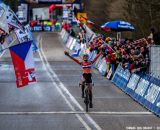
143,14
12,3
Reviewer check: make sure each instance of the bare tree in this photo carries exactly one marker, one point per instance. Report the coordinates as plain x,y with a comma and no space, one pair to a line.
12,3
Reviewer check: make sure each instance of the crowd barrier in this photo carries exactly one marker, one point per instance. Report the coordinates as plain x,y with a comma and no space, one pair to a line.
39,28
143,88
121,77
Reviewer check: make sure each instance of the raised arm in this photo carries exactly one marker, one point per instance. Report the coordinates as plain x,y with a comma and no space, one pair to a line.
74,59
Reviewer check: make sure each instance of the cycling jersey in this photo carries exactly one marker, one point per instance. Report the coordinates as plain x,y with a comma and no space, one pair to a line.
87,66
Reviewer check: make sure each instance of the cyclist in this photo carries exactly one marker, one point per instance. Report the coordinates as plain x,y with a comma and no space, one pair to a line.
87,73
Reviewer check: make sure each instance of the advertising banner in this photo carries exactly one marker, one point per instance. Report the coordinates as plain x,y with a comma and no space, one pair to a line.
37,28
65,38
102,68
47,28
109,73
121,77
156,108
98,61
132,84
152,100
73,45
70,42
141,89
63,32
92,55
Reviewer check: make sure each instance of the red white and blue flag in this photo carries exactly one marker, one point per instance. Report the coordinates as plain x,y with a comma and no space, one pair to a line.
23,61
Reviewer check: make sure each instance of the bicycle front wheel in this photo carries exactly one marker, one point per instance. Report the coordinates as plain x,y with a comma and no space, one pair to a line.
87,100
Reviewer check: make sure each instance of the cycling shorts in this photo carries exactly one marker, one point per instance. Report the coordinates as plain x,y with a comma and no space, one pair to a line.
87,77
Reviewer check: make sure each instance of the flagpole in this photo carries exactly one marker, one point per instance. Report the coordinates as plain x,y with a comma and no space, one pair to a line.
96,25
8,46
109,47
102,30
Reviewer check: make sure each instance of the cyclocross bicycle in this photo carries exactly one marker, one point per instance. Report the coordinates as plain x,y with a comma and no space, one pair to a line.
86,95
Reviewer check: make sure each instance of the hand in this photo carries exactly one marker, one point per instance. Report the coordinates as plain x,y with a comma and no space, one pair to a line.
133,71
66,53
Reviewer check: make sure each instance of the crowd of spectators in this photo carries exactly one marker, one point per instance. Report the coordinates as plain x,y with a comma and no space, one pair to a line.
132,55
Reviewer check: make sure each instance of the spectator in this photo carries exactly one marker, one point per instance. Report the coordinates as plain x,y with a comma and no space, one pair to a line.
151,35
72,33
75,11
66,26
155,37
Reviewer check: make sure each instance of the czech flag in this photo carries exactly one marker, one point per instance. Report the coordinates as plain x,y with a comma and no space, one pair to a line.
23,61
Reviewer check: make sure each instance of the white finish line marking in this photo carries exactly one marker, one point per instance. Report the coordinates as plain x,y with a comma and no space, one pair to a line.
76,112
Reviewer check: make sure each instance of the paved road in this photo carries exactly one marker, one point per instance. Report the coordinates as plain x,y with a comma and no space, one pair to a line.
54,102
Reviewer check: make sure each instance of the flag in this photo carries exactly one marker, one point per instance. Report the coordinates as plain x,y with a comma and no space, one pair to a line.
30,36
12,19
26,35
21,35
3,19
82,17
23,61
